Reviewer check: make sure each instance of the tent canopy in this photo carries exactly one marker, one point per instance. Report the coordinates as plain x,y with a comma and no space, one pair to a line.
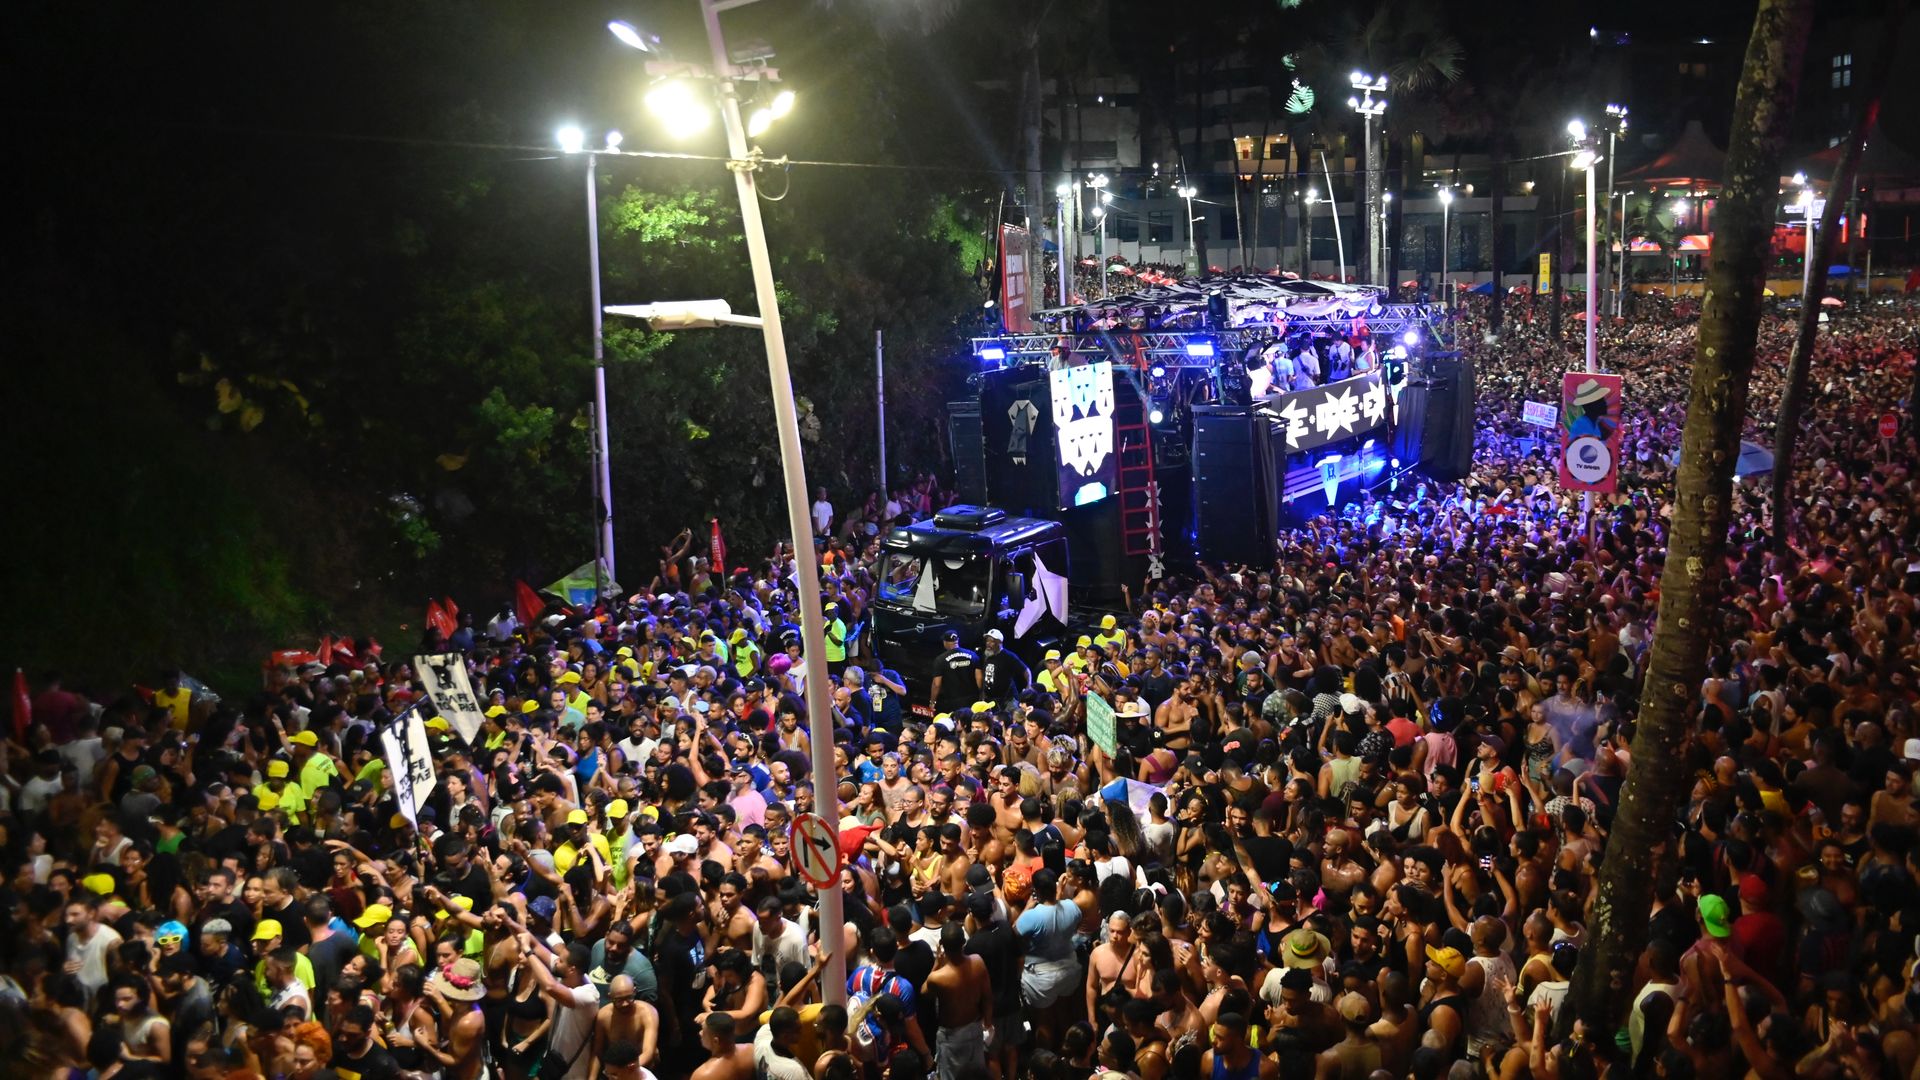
1881,160
1690,159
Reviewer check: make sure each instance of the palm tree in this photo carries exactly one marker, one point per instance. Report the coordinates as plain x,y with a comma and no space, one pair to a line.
1696,565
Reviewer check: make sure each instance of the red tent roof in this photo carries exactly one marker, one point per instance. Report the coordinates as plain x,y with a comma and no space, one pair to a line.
1690,159
1882,159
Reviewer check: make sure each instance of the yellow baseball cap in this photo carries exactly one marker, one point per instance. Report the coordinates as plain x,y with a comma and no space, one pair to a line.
461,902
1084,642
617,809
376,915
98,884
276,770
304,738
569,678
624,651
438,723
530,707
738,636
397,821
577,817
266,928
496,710
1108,622
651,813
982,706
1052,654
943,718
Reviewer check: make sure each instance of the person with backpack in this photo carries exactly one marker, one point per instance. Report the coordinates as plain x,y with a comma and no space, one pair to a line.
871,982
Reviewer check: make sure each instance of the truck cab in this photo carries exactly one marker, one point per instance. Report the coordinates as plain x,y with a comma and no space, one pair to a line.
970,569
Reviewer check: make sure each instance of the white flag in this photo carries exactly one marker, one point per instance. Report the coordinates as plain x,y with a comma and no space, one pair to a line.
446,682
410,762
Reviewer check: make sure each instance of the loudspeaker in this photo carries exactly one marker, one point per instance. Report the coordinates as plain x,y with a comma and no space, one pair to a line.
1445,439
1234,487
969,451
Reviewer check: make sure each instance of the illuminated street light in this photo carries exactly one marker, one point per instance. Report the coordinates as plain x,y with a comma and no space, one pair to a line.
1191,259
632,38
571,139
1371,104
1446,208
678,108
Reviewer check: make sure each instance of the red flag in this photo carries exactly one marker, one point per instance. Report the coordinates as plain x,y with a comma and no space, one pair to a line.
438,618
527,604
22,705
343,651
718,564
325,651
453,609
373,648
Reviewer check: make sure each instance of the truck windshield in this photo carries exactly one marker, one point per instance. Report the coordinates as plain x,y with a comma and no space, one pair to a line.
942,584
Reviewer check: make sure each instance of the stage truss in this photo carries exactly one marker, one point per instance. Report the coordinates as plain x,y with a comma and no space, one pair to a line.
1197,348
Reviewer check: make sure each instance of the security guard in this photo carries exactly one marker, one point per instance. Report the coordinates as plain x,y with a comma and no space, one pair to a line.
956,676
836,640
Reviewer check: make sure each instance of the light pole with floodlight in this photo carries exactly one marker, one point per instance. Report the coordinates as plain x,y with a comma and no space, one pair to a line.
1616,125
1446,207
1371,108
1586,159
1098,182
1805,202
1306,240
1679,223
573,140
683,112
1191,259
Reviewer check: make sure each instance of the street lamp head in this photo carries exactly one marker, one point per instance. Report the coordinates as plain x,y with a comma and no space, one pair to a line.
679,108
1386,196
1106,197
1584,160
758,123
632,38
1100,211
1097,180
782,104
1063,190
1446,196
572,140
614,139
1800,179
1577,130
1679,206
1188,191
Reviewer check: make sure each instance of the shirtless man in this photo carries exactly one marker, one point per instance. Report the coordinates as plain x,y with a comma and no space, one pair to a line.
1111,963
726,1059
459,987
624,1018
954,861
748,856
1006,803
731,921
959,983
981,842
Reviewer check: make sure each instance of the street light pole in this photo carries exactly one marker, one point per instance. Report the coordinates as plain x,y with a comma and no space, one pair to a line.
1446,242
1064,256
880,396
604,475
1370,107
1190,259
813,630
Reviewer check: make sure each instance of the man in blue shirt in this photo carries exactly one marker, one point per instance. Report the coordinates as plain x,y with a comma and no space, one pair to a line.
1047,926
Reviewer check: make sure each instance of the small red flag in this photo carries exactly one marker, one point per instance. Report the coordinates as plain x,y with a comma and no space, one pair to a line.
527,604
718,565
325,651
22,706
373,648
438,618
453,610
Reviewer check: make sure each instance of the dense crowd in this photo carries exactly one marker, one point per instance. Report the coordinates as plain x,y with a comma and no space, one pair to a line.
1351,828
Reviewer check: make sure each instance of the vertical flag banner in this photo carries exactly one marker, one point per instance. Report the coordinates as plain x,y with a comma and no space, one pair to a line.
445,678
1015,311
1590,406
1545,283
717,554
22,706
527,604
410,760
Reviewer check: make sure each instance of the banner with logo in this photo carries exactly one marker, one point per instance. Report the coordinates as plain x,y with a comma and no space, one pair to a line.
1539,414
1325,414
445,678
1545,284
1082,400
1015,311
410,761
1590,405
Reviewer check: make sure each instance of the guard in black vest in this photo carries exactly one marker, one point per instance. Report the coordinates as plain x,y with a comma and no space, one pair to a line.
956,677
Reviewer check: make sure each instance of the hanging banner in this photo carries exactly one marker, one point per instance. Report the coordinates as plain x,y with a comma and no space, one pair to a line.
717,553
1015,311
410,761
1545,283
1590,405
1082,400
445,678
1324,414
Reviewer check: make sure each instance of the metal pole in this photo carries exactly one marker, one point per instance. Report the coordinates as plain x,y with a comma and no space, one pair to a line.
1620,278
1190,257
1446,223
1100,267
1593,318
880,394
603,477
1373,211
1340,246
1806,263
813,630
1612,282
1065,257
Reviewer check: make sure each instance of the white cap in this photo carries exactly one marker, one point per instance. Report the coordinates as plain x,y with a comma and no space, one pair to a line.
996,635
684,844
1350,703
1912,752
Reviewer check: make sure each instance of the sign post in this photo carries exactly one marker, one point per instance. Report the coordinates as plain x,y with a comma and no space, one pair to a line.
815,854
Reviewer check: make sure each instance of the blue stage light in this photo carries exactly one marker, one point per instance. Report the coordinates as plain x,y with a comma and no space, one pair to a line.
1411,337
1155,416
1159,371
1200,350
1366,446
993,352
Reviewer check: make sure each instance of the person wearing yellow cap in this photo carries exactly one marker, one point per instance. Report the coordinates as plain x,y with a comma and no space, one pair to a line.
746,653
836,640
317,770
578,826
372,924
1082,657
1111,637
268,936
289,798
619,840
1054,676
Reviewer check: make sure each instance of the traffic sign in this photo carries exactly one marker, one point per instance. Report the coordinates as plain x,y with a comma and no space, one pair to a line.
1889,426
815,853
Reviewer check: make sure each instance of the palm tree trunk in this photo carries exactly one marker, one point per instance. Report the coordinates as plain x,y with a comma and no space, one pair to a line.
1494,214
1696,569
1800,361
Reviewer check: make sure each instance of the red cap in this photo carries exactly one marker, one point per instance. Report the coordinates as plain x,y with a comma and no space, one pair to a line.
1753,890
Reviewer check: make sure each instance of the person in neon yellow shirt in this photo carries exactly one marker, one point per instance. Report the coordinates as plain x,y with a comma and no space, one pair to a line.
317,770
1111,637
836,640
746,654
268,936
287,796
176,699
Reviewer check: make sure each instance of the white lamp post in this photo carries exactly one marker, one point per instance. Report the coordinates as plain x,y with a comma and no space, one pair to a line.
1616,127
1064,256
1370,107
1446,207
1098,182
1586,160
680,115
573,140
